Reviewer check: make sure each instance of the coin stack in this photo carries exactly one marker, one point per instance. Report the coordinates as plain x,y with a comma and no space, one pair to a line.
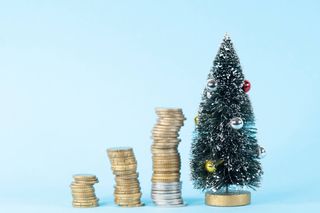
124,166
166,185
83,192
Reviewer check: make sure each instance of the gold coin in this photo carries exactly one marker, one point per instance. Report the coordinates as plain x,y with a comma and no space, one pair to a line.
166,152
170,123
157,127
167,109
164,133
165,180
91,200
113,157
84,190
119,156
84,198
165,163
130,176
84,205
127,183
126,188
165,148
127,201
124,167
127,192
130,195
120,149
169,153
172,119
158,167
123,157
132,205
172,174
165,157
128,205
164,140
133,180
156,147
164,172
87,182
84,177
120,163
124,172
159,171
121,193
81,186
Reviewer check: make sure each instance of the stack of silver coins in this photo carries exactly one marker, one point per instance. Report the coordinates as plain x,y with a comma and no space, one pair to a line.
167,194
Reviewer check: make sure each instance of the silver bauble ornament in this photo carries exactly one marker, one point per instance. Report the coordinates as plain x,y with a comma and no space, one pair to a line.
261,152
212,85
236,123
209,95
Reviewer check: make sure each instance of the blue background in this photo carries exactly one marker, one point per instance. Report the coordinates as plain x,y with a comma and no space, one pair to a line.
77,77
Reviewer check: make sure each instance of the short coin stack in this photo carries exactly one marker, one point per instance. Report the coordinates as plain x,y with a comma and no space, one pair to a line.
83,192
124,166
166,185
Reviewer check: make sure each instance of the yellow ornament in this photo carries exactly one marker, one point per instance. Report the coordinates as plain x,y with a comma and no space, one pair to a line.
211,166
196,120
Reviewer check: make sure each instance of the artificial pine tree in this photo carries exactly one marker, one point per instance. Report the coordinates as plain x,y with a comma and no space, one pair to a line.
225,153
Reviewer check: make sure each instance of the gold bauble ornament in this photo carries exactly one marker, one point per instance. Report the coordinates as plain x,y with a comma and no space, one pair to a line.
211,166
196,120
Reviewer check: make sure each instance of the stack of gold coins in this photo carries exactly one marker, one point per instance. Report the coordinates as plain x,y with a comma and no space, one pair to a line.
124,166
166,185
83,192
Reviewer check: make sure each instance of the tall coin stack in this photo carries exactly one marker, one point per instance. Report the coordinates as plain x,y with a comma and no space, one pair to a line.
83,192
166,185
124,166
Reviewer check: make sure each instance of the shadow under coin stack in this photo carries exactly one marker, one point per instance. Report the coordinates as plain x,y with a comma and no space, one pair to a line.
166,185
83,192
124,166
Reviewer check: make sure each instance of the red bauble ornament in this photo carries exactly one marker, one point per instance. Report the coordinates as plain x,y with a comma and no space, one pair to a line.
246,86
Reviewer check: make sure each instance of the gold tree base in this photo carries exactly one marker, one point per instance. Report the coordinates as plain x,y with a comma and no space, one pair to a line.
236,198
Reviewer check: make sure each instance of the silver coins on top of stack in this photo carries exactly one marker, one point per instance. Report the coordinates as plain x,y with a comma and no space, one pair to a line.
83,192
124,166
166,185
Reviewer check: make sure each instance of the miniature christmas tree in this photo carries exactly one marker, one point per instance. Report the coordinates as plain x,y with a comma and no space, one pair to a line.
225,152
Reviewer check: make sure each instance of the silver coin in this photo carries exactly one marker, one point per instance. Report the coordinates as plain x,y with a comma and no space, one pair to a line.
168,202
167,188
165,198
167,184
157,185
165,191
167,194
171,205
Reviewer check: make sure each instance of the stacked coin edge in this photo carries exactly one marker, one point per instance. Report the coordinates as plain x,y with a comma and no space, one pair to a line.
83,192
